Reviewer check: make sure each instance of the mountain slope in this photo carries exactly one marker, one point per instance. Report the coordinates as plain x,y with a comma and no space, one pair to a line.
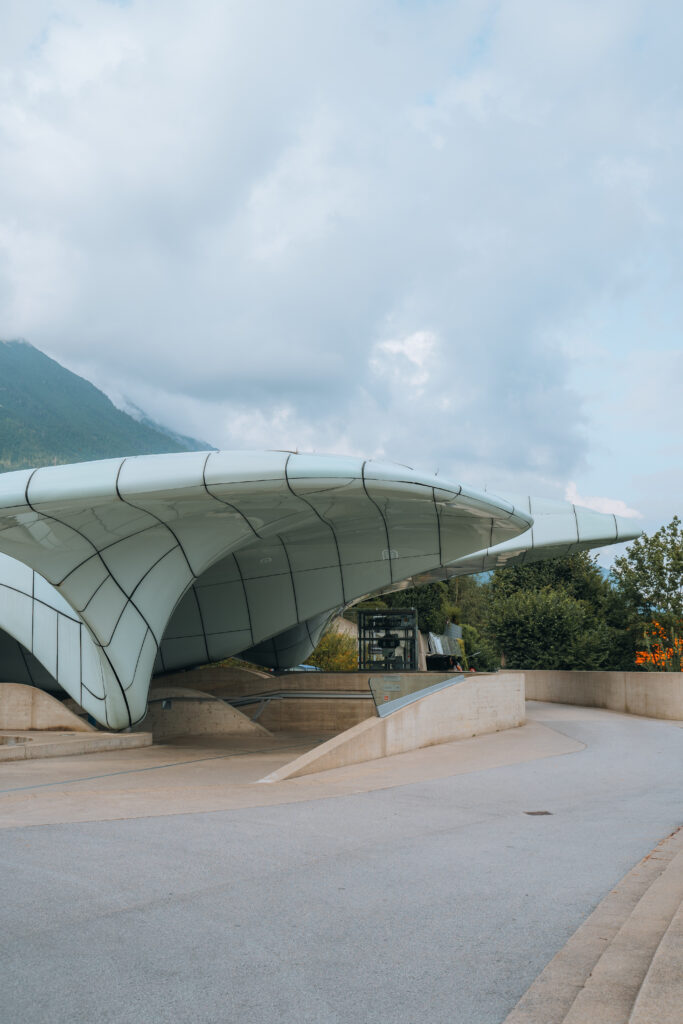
189,443
49,415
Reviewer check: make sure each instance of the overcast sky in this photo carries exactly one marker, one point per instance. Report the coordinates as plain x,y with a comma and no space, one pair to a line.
443,233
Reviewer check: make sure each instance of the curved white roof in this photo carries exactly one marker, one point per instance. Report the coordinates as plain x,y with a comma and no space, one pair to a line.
119,566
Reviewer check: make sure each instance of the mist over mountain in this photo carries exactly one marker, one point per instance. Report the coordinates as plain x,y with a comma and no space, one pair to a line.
49,415
190,444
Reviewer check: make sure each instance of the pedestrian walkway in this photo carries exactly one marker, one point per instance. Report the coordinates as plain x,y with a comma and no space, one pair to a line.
215,773
168,884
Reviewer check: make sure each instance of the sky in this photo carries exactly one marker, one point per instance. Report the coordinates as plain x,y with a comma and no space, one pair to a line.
446,233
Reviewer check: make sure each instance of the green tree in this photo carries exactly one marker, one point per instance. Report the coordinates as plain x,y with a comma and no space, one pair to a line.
336,652
479,651
650,573
468,598
548,629
577,575
649,578
372,603
567,610
429,601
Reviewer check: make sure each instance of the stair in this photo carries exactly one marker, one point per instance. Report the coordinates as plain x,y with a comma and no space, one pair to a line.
624,964
660,1000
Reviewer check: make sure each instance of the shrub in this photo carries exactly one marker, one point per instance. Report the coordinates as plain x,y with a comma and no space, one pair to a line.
336,652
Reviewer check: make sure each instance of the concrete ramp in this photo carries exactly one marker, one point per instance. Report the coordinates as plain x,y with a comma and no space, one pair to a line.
471,707
181,711
25,707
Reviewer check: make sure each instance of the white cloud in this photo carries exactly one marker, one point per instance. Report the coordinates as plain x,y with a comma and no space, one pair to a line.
362,227
405,363
612,506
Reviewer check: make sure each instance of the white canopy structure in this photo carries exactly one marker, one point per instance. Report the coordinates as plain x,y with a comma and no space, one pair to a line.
111,571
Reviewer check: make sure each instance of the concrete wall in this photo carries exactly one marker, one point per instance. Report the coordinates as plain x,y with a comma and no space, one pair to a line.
26,707
239,682
652,694
329,714
313,715
480,704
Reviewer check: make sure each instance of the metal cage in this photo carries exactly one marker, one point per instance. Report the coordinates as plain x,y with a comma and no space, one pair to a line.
387,640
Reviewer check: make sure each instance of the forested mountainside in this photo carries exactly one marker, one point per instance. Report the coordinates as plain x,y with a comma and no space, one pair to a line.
49,415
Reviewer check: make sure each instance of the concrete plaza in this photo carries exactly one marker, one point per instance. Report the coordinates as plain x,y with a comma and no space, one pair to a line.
165,884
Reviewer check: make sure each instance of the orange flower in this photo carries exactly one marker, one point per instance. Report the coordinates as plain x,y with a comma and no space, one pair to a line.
663,652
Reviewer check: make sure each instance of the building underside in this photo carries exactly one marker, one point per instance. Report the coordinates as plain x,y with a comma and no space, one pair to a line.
113,571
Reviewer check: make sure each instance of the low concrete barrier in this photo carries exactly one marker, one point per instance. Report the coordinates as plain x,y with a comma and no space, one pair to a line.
345,699
26,707
651,694
477,705
289,702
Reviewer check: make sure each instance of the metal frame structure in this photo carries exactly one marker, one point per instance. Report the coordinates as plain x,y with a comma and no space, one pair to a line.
387,640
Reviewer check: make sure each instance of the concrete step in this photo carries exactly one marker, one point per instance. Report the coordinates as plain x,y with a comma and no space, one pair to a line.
611,990
28,745
660,1000
559,989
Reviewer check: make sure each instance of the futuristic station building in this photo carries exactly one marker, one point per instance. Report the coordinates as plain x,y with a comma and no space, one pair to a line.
114,571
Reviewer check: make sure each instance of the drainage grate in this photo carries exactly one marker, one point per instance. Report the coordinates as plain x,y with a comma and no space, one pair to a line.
538,812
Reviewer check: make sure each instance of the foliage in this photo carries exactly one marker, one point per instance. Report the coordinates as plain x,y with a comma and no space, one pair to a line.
468,600
429,602
650,574
479,651
649,578
372,604
577,575
663,648
336,652
559,612
548,629
568,599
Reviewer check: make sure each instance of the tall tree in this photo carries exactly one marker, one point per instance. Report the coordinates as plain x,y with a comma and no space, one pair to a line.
549,629
650,574
558,613
577,575
429,601
649,577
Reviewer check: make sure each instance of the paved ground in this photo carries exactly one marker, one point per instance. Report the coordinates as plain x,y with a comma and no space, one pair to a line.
219,773
438,899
